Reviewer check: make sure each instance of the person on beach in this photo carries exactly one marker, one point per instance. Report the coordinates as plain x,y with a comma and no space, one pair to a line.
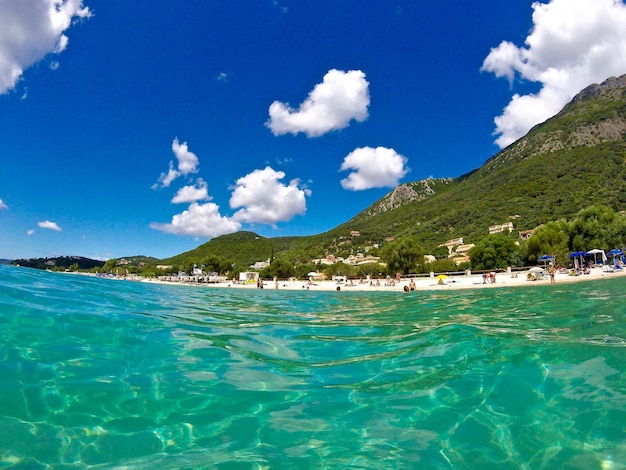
552,272
412,284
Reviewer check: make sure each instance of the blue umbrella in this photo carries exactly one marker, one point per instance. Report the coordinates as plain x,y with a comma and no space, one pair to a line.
577,254
545,259
616,253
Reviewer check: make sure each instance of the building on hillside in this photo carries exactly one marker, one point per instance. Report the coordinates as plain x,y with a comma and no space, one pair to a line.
330,259
355,233
462,258
451,244
367,260
461,253
260,264
525,234
464,249
501,228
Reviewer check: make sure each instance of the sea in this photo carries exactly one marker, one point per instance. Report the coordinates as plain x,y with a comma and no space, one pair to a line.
100,373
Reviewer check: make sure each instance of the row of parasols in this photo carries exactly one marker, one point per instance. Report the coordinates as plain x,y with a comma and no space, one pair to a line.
579,256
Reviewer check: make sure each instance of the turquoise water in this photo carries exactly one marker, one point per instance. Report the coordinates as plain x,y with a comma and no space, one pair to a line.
105,374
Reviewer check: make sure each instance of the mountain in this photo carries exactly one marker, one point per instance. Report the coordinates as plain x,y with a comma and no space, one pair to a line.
573,160
245,248
60,262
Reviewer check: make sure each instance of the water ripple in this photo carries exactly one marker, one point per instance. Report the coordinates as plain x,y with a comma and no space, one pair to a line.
107,373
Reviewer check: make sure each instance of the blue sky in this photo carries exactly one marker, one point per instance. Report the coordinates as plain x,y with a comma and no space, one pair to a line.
148,128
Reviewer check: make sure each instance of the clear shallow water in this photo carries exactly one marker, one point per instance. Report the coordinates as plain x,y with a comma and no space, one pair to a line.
101,373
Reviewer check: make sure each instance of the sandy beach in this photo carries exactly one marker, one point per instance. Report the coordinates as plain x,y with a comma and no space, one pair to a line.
454,281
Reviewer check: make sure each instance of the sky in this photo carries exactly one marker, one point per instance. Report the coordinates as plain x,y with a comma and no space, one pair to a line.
149,128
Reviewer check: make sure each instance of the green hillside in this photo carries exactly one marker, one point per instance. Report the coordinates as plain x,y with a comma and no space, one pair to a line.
244,248
572,161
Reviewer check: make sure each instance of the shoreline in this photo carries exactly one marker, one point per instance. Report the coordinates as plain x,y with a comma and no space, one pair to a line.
453,282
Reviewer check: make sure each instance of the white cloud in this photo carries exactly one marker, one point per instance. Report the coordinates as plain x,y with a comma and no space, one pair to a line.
264,199
199,220
197,192
3,205
187,163
31,29
374,168
30,232
573,43
166,178
49,225
341,97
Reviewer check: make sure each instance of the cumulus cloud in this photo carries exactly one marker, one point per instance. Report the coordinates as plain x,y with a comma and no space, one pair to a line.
199,220
194,193
265,199
573,43
373,168
30,232
3,205
49,225
31,29
260,196
187,163
341,97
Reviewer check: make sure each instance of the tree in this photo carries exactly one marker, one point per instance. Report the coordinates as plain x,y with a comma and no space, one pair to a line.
363,270
110,265
338,269
593,227
218,264
551,238
597,227
403,255
303,269
279,268
441,266
495,252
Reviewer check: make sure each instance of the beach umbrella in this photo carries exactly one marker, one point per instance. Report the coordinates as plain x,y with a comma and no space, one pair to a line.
536,269
442,276
577,256
545,259
595,252
615,253
312,274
